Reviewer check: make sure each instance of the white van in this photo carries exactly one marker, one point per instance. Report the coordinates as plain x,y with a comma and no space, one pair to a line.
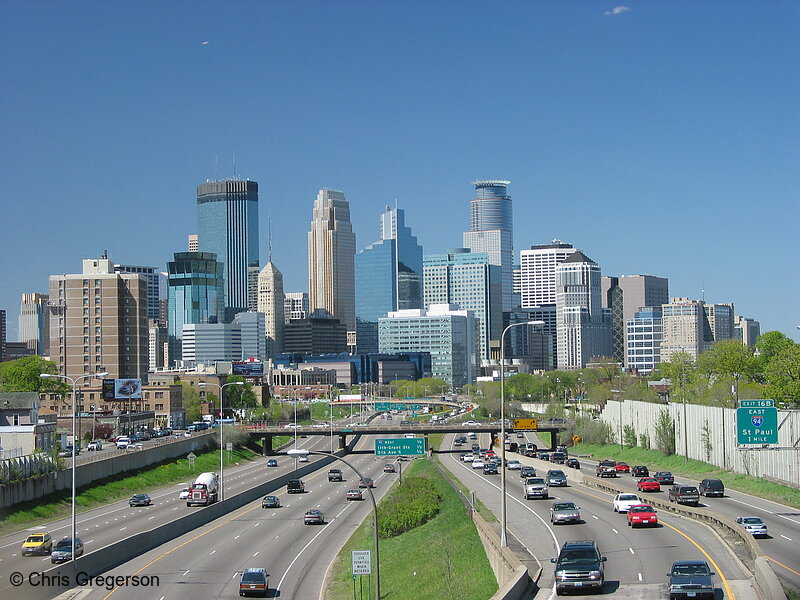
123,442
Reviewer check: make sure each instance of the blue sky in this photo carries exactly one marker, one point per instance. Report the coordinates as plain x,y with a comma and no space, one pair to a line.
661,139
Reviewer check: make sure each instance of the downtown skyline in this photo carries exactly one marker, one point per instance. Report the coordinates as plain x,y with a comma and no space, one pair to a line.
659,140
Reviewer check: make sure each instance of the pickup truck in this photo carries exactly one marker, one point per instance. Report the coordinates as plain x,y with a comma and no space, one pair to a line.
607,468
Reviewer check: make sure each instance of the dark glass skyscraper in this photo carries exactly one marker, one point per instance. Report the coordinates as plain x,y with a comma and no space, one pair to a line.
227,225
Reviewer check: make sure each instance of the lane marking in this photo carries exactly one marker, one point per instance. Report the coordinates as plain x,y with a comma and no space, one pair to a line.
640,576
631,549
784,537
782,565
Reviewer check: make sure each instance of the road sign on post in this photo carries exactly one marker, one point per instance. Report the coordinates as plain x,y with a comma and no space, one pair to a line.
400,447
362,562
757,423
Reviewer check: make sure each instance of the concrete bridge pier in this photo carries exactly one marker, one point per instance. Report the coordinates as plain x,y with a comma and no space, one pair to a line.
266,445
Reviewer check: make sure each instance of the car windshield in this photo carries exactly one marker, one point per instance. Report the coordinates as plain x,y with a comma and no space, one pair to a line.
564,506
689,570
579,556
534,481
64,545
752,521
35,538
628,497
641,509
556,473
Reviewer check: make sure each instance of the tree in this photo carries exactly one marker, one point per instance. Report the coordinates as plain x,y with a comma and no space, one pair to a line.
665,432
239,396
783,375
519,386
770,343
728,357
191,402
23,375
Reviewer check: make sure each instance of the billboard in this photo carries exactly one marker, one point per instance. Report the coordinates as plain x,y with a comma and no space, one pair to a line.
248,369
122,389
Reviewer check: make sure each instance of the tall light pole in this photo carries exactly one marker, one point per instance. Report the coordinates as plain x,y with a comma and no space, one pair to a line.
221,433
302,452
74,383
503,519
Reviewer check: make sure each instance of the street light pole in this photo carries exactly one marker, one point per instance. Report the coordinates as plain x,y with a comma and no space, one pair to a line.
302,452
221,434
74,383
503,518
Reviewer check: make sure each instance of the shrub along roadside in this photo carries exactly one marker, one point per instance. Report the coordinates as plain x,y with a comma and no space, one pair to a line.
58,505
408,505
695,469
443,558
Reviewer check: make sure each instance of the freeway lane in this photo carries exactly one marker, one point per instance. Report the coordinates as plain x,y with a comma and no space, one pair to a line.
110,523
207,562
637,559
783,545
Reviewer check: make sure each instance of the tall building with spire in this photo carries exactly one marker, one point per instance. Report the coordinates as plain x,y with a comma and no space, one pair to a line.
271,301
227,225
331,258
491,231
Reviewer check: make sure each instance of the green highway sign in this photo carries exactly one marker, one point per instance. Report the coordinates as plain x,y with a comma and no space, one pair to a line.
756,425
757,403
400,447
416,407
383,406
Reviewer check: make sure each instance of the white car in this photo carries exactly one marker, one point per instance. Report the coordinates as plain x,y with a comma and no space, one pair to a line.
514,465
478,464
622,502
184,494
291,426
123,442
410,436
302,458
469,457
95,445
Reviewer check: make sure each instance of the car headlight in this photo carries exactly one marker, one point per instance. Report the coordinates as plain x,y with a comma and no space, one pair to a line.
594,574
561,574
675,587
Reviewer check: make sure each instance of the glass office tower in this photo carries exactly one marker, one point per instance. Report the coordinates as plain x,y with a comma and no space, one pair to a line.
227,225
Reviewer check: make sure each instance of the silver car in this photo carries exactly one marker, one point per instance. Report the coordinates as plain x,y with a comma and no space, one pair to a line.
565,512
754,526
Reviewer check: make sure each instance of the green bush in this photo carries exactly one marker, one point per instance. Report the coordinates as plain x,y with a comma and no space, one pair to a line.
409,505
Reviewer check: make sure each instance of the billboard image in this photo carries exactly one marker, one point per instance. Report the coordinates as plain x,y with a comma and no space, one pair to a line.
248,369
128,388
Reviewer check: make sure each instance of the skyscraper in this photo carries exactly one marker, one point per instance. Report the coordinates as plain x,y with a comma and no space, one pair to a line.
331,258
717,324
682,328
271,301
98,322
746,330
227,225
624,296
467,279
155,284
643,340
196,295
491,231
34,325
388,276
295,306
582,327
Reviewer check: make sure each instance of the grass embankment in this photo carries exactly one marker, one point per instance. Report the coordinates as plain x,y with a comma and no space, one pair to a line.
104,491
695,469
443,558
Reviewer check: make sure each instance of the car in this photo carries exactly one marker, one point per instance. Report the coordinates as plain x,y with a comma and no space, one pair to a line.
490,468
184,494
622,502
134,447
640,471
754,526
478,464
272,462
664,477
254,581
314,517
536,487
291,426
556,478
606,468
544,456
140,500
573,463
526,472
558,457
520,435
684,494
712,487
461,456
94,445
62,551
37,543
564,512
354,494
270,502
623,467
65,453
302,458
410,436
690,579
579,566
468,457
366,482
514,465
642,514
648,484
335,475
389,468
295,486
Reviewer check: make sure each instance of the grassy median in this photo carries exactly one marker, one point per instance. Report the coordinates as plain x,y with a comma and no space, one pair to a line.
104,491
693,469
443,558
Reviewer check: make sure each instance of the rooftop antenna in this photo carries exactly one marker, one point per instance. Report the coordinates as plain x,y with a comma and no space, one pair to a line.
269,234
703,292
216,166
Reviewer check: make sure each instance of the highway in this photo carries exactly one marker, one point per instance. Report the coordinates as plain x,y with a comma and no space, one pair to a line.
783,545
637,558
295,555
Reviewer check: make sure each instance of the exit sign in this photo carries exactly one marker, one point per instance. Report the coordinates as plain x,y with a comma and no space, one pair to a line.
400,447
756,425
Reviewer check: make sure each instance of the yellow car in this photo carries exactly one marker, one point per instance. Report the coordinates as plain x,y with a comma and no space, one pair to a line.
37,543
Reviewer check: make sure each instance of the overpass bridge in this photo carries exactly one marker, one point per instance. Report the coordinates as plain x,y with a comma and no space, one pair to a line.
266,433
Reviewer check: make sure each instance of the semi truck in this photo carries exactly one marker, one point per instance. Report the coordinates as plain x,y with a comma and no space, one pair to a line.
204,490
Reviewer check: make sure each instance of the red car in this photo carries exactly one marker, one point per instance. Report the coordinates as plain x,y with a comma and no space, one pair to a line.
648,484
642,514
623,467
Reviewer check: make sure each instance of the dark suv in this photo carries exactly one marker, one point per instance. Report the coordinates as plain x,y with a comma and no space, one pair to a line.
712,487
690,579
579,565
335,475
295,486
684,494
